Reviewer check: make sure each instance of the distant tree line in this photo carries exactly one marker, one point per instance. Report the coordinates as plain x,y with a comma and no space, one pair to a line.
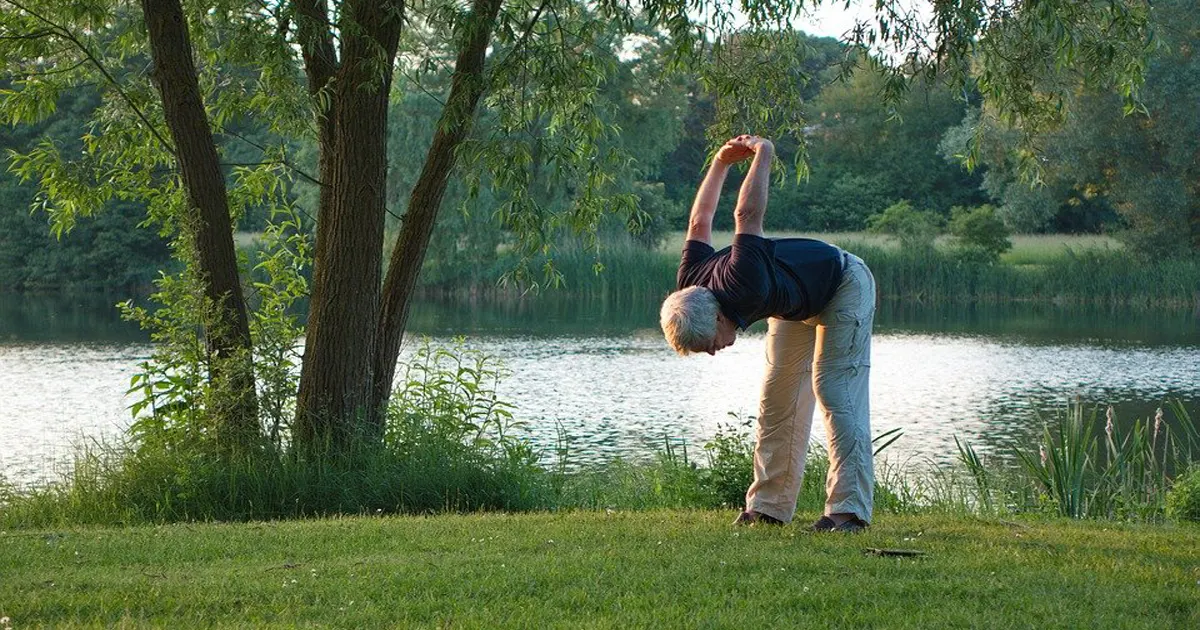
106,251
1099,171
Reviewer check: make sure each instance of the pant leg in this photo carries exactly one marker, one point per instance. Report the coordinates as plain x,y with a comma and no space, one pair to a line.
785,416
841,380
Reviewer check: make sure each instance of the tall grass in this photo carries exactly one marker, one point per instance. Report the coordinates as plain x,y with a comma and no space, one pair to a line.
450,445
1076,472
1088,276
1091,277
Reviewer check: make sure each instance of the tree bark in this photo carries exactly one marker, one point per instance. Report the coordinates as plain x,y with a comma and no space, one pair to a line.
320,66
336,376
227,338
467,86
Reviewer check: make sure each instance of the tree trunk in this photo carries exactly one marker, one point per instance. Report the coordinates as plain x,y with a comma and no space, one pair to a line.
336,376
320,65
227,338
467,86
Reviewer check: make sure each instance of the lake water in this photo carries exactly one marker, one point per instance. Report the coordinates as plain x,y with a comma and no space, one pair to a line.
600,370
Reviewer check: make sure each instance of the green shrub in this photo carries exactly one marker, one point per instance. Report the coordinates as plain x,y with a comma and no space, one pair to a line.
730,463
980,234
1183,500
915,229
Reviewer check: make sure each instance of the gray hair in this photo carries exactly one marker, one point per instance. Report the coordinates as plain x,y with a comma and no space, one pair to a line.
689,319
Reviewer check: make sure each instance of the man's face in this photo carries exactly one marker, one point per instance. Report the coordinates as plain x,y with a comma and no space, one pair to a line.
726,335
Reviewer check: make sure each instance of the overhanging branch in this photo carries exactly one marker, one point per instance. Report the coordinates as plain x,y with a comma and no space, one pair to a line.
61,31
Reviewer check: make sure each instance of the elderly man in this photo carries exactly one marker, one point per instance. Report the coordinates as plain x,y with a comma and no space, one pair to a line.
820,301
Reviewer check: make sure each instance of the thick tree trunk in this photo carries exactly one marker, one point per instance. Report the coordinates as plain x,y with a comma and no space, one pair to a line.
336,376
228,337
467,86
320,65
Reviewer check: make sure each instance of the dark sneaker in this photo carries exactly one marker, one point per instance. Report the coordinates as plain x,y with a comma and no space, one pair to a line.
750,517
852,526
823,524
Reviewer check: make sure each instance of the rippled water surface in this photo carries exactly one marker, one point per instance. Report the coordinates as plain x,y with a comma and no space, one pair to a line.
602,373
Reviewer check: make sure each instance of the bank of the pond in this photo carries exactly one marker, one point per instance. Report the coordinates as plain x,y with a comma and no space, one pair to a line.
669,569
1087,276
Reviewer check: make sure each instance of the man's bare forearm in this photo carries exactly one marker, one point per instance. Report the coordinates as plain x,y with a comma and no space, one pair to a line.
752,198
705,205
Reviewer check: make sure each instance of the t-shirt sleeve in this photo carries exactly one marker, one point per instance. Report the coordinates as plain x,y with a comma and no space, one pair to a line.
747,276
694,254
751,255
750,263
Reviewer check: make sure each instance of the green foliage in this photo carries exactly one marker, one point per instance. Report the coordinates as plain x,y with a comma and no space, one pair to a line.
915,229
833,199
1097,167
450,444
979,234
1065,461
730,463
450,393
105,251
283,265
1086,276
979,474
1183,500
870,148
1120,475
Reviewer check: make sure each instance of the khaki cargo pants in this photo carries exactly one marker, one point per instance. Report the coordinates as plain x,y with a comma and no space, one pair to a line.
825,359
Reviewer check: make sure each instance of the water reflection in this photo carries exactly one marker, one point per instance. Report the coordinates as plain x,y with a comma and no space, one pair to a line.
554,315
933,387
81,318
600,370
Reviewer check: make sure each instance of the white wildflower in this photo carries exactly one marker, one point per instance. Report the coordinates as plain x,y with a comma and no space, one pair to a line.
1108,426
1158,420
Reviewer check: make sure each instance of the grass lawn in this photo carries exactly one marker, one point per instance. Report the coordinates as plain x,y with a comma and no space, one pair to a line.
618,570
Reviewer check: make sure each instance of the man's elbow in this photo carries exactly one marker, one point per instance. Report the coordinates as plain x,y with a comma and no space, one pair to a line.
749,217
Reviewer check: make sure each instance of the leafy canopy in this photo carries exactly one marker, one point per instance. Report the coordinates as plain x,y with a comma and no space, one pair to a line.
548,62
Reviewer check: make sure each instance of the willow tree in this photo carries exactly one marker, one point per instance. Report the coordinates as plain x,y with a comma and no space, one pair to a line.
178,78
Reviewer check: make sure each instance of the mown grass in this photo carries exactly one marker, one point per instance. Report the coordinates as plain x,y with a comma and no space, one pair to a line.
672,569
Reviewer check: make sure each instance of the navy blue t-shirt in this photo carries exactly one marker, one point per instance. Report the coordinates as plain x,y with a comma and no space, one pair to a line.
756,278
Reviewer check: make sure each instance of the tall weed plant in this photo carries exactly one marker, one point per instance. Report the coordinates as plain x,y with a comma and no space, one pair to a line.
1076,471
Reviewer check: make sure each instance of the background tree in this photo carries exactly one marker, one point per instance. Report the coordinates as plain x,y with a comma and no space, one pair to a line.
536,66
1132,172
106,252
870,153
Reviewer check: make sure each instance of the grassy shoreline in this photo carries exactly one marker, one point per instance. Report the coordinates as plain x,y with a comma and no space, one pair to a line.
602,569
1056,269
